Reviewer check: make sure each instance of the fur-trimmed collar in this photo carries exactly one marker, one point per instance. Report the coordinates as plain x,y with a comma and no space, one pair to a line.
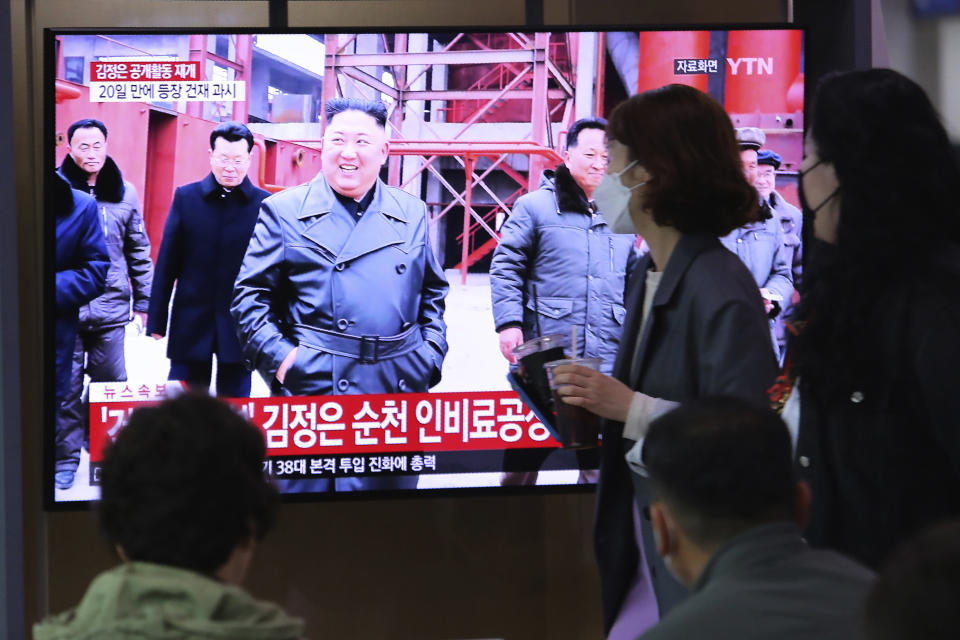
109,186
570,197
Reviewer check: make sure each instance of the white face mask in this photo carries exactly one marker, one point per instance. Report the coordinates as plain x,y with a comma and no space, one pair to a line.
613,201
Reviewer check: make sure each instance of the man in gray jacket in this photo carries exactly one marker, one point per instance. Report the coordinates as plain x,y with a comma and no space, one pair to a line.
760,244
99,351
558,265
791,221
727,514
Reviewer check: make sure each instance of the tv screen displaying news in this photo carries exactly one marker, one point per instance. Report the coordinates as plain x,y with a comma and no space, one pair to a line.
348,236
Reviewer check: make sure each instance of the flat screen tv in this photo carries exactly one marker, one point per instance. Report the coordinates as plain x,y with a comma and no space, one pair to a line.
475,120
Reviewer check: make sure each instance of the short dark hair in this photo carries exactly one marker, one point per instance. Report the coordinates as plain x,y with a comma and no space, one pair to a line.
917,592
231,132
573,135
685,139
183,484
723,465
86,123
373,108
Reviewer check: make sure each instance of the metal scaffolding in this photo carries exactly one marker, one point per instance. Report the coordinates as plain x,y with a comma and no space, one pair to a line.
525,71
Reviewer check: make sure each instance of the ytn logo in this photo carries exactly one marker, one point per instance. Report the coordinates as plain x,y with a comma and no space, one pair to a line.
751,66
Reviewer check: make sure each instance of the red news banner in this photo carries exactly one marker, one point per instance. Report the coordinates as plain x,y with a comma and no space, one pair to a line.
136,71
164,80
322,429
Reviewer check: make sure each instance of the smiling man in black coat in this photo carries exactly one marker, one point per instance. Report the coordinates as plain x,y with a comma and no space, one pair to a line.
204,240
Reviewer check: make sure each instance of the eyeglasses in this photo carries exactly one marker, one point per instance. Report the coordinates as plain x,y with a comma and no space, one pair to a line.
224,161
96,146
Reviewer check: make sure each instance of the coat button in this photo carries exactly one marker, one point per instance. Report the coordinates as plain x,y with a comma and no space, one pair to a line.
339,266
401,268
739,240
402,385
343,385
804,461
856,397
342,324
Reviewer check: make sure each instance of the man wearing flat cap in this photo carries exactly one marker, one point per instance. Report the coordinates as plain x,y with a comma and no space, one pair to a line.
750,140
759,244
791,221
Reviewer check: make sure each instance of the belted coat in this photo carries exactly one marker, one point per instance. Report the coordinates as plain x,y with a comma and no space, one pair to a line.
363,299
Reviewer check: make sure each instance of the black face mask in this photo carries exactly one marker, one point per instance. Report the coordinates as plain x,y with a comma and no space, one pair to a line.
804,204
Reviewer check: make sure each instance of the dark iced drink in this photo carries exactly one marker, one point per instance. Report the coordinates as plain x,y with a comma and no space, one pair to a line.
532,355
578,427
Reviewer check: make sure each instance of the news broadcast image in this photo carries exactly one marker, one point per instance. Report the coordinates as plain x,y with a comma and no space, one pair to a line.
399,309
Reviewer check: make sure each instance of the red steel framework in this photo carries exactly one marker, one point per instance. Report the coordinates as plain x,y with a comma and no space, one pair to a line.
526,72
527,68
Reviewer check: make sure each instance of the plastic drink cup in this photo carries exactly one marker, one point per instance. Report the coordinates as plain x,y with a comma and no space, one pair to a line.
532,355
579,428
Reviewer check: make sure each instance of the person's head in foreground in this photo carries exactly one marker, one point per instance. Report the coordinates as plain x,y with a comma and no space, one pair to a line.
879,170
184,500
675,157
917,594
183,485
727,513
718,467
879,178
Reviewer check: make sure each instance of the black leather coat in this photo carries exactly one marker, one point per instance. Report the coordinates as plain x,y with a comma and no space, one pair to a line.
364,300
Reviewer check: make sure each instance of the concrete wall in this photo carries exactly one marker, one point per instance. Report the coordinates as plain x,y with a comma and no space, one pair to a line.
928,51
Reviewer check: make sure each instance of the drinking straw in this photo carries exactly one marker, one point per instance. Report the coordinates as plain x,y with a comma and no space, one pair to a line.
536,310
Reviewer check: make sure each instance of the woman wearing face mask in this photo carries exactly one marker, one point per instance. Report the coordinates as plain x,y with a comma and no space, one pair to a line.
879,322
695,325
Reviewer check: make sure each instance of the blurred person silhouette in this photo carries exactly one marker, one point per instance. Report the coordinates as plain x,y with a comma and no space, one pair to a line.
695,321
184,503
878,346
82,263
916,595
727,512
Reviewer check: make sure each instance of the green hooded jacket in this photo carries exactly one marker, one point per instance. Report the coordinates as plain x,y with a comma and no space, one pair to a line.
157,602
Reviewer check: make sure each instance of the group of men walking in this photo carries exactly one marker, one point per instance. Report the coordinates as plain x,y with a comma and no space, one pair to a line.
284,284
560,265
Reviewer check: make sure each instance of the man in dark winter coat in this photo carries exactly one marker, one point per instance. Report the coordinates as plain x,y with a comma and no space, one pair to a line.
559,265
99,349
340,291
205,237
81,264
